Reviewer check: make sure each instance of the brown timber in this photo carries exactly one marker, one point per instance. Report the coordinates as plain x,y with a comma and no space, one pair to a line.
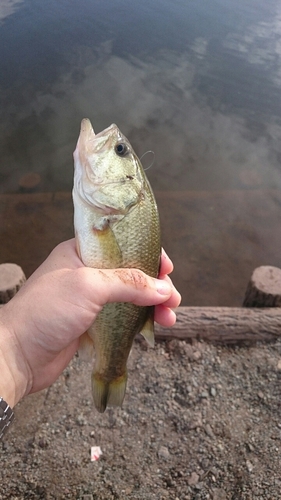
227,325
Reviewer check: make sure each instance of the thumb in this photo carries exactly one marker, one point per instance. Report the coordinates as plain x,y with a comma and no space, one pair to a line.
127,285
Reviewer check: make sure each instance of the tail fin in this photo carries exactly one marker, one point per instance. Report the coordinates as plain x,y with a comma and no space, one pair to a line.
108,393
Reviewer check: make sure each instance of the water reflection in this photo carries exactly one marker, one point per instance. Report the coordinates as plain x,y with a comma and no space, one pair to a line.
205,97
8,7
155,102
260,44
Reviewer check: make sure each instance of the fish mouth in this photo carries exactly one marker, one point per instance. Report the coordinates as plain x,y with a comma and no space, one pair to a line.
98,141
88,130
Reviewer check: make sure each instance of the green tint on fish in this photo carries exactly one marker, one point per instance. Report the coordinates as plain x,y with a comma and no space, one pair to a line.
116,225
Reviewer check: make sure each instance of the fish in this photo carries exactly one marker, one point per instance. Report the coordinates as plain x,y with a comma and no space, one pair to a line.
116,225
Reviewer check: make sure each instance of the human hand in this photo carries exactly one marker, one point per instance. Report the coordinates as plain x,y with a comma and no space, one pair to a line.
42,324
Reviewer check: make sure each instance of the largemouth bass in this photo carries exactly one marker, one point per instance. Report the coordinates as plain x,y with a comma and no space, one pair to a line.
116,225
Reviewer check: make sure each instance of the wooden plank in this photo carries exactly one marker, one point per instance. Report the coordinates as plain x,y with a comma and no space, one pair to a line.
223,325
228,325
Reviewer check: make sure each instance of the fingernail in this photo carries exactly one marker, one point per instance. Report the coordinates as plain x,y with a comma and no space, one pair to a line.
163,287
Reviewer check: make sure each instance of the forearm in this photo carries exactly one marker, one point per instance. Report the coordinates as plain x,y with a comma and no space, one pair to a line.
13,374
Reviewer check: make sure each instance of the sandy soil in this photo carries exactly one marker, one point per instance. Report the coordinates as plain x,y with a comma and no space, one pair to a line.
198,422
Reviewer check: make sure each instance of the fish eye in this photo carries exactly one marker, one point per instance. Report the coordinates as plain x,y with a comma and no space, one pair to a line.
121,149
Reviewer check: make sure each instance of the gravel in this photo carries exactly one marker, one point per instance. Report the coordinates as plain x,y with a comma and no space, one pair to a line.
198,422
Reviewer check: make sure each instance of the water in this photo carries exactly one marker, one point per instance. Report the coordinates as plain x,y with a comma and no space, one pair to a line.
196,82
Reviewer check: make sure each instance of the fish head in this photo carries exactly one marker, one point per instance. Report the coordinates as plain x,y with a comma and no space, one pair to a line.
108,174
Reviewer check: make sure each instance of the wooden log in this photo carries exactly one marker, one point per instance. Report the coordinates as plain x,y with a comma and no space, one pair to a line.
12,278
223,325
264,288
228,325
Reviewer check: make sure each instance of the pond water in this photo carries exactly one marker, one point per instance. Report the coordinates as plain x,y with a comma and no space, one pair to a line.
196,82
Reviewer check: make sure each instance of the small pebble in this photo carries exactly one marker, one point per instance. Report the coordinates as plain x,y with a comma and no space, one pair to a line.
219,494
208,430
251,447
163,452
43,443
197,355
80,420
249,465
193,479
204,394
213,391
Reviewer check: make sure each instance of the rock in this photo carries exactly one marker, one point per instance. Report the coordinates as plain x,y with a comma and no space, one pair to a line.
219,494
209,432
197,355
204,395
193,479
163,452
196,421
249,465
80,420
169,482
43,443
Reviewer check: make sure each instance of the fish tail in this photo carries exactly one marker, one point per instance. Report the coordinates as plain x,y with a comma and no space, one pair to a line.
108,393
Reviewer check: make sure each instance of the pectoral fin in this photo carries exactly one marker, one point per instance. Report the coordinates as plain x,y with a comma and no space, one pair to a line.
147,330
108,249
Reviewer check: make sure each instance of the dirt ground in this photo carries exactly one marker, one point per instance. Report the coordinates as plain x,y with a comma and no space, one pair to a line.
199,421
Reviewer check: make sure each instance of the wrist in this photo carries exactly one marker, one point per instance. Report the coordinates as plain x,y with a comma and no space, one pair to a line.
14,379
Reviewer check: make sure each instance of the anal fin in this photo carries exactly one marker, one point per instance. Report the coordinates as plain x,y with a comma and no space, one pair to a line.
147,330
